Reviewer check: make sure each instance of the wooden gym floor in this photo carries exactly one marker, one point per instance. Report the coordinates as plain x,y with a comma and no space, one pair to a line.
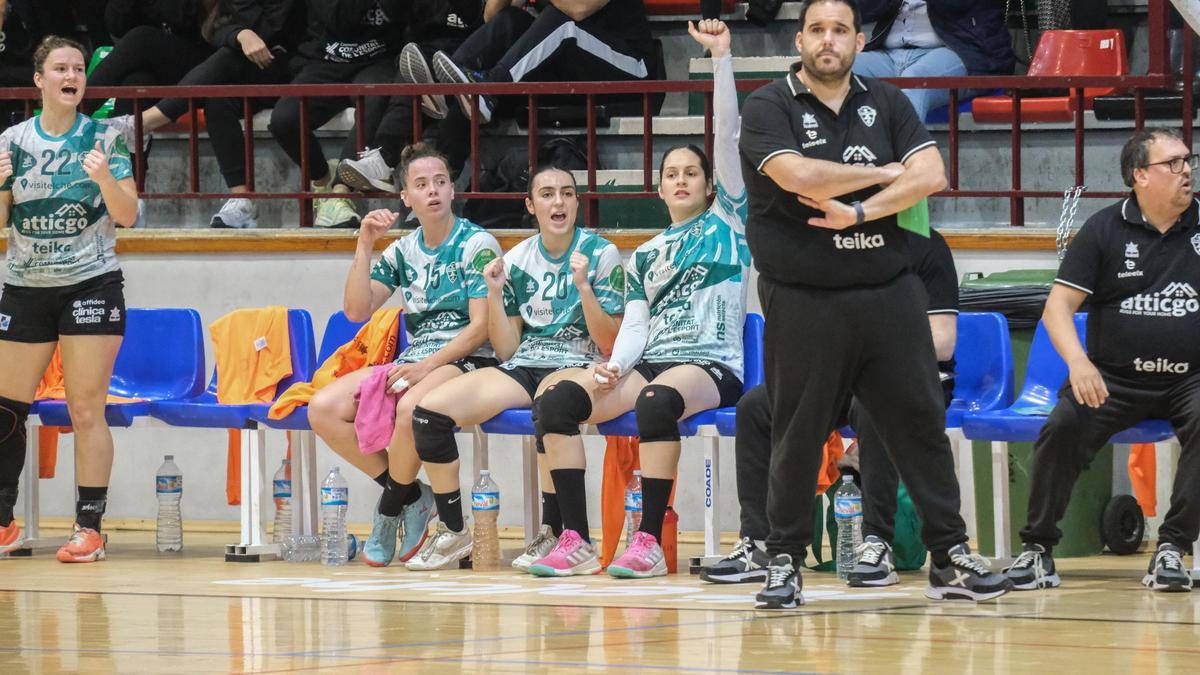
141,611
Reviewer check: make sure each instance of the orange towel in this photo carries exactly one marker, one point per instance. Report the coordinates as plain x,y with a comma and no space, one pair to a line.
53,386
374,345
620,459
253,353
829,473
1143,474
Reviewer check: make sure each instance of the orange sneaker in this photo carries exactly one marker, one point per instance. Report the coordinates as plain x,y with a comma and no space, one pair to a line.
10,537
85,545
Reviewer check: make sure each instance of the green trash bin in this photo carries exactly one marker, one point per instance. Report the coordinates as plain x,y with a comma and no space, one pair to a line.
1020,296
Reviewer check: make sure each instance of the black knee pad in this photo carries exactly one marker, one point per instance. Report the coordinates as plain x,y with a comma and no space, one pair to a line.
13,416
539,432
564,406
658,409
433,433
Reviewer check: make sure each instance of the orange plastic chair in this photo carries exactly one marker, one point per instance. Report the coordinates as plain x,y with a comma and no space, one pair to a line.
1061,52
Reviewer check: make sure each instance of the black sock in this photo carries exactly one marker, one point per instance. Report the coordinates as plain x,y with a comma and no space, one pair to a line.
940,558
8,502
90,506
656,492
572,500
449,506
396,496
382,479
551,515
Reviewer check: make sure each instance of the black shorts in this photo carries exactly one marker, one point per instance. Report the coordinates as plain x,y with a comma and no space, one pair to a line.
529,378
729,387
41,314
470,363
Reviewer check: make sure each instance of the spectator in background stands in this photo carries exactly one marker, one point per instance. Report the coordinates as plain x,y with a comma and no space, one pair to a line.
935,38
253,39
348,42
433,25
157,43
568,41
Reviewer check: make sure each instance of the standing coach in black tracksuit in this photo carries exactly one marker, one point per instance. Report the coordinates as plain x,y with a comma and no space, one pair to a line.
829,159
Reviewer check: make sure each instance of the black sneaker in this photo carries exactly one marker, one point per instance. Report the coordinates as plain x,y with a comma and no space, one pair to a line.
1167,572
1033,569
746,563
782,590
876,564
967,577
448,72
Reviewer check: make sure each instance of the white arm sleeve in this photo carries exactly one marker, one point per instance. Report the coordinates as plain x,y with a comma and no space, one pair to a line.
726,128
631,340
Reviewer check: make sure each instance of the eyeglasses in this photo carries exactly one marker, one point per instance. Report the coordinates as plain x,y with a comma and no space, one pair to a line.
1175,164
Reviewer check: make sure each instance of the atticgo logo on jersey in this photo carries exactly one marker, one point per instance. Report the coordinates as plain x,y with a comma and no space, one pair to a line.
1160,365
1175,300
858,241
69,219
858,154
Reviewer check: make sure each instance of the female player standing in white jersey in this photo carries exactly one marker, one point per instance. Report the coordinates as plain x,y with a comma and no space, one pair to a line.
554,306
65,182
680,346
438,269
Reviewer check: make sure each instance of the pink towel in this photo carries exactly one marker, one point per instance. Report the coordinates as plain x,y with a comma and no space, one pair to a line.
376,416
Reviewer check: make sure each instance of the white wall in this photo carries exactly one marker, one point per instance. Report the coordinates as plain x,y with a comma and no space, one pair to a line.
217,283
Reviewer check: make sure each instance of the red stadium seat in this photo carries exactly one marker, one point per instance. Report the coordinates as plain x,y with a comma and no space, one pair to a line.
1061,52
681,7
183,124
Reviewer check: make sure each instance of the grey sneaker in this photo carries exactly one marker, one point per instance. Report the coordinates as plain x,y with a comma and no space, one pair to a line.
443,550
1167,572
236,213
448,72
1033,569
746,563
540,547
967,577
367,173
782,590
415,519
412,68
876,564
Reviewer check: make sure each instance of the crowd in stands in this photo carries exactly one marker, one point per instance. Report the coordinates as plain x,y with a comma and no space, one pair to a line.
208,42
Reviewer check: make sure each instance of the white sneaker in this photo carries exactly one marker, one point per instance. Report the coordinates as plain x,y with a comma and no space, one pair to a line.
412,68
442,551
367,173
539,548
236,213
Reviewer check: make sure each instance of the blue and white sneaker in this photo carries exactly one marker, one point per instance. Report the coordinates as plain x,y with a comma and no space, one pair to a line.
415,519
380,549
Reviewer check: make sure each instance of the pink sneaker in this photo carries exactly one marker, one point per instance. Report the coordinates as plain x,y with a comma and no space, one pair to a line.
642,559
571,556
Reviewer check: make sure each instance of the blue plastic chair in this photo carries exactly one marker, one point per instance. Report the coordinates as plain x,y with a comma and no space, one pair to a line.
1044,376
203,411
161,358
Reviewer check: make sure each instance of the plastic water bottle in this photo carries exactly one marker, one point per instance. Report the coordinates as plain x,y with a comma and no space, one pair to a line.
282,490
847,511
485,508
168,486
335,498
633,506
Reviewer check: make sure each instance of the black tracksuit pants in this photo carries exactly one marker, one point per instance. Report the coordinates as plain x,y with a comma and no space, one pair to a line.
1074,433
285,117
822,345
146,56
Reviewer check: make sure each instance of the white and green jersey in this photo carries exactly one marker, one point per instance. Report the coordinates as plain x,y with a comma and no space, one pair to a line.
693,277
59,231
438,284
541,292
